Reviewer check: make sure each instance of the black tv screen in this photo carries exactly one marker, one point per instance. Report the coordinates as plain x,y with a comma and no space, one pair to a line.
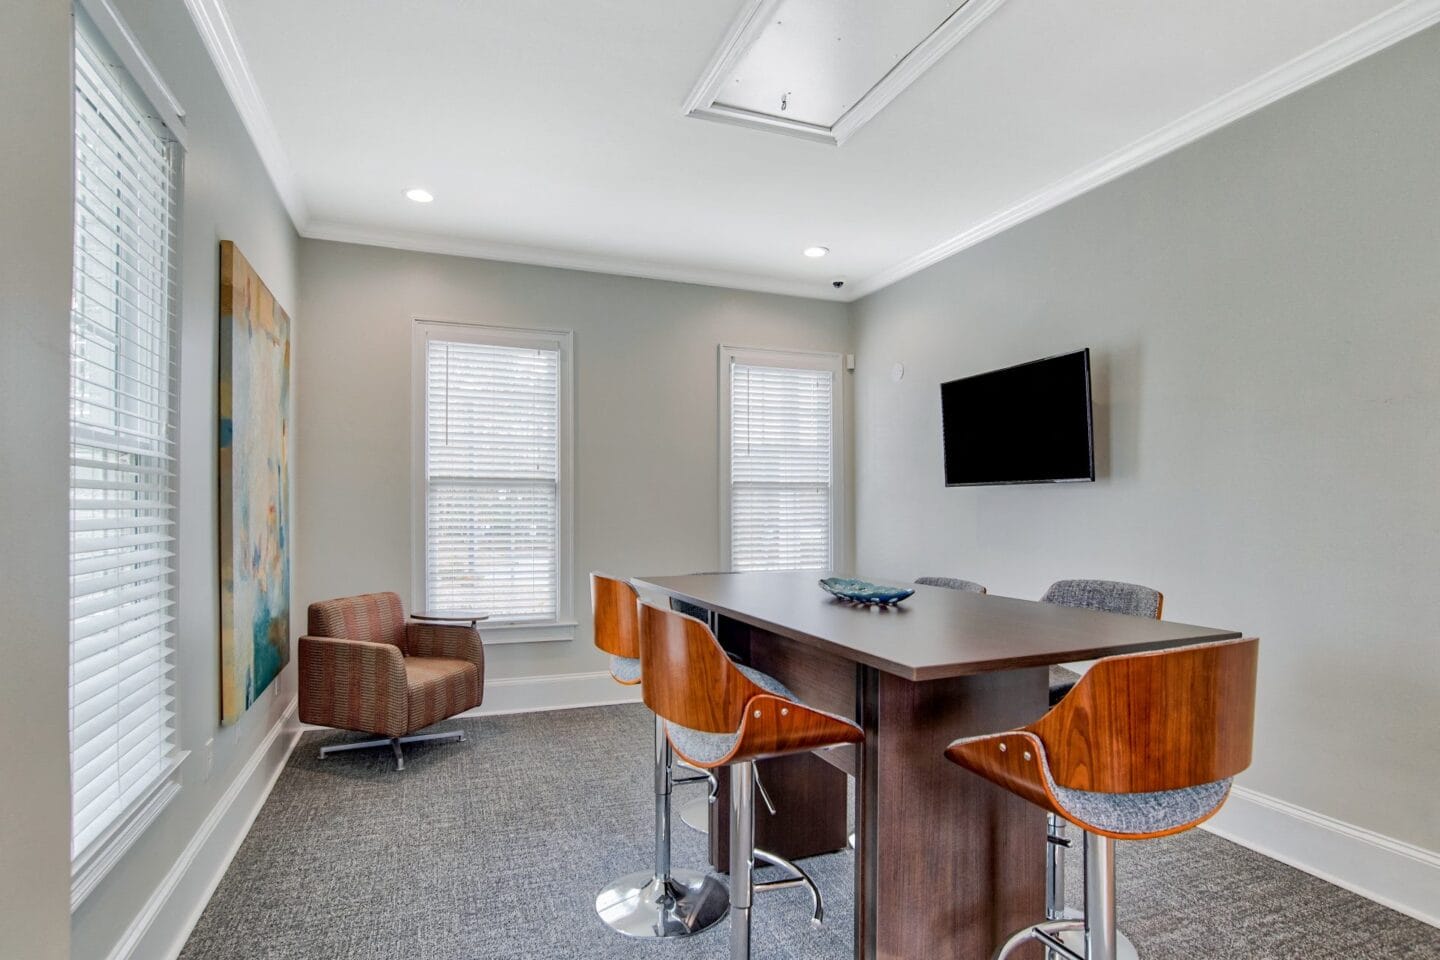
1025,424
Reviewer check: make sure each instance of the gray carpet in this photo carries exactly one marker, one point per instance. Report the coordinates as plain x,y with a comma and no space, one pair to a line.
495,848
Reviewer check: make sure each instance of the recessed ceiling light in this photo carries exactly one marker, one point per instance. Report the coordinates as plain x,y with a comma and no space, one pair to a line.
419,195
816,251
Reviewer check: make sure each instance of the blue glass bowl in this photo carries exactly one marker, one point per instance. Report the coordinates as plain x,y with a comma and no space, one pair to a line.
863,591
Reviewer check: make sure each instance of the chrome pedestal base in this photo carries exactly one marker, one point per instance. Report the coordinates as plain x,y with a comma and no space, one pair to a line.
642,905
663,903
695,814
394,743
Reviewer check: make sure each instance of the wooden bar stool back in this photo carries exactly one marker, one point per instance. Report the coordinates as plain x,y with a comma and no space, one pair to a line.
617,625
1145,746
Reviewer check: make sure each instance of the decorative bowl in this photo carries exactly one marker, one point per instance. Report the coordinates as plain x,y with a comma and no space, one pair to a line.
864,592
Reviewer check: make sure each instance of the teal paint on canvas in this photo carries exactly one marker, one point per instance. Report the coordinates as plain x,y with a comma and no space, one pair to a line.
254,486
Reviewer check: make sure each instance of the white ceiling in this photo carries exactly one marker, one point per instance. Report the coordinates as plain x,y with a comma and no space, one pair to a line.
552,132
821,56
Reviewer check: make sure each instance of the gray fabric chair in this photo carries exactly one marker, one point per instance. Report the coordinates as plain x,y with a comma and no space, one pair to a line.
951,583
1109,596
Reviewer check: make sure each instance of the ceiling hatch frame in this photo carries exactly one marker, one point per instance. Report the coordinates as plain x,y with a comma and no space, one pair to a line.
754,18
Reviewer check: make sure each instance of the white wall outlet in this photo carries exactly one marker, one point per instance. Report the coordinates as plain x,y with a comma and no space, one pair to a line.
207,759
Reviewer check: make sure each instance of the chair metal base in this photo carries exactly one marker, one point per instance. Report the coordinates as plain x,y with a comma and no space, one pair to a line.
1055,909
642,905
394,743
663,903
689,774
695,814
796,877
1092,935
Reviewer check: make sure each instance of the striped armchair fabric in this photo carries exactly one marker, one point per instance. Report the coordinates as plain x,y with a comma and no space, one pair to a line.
362,667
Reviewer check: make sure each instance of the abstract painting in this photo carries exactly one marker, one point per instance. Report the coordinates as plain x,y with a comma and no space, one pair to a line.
254,486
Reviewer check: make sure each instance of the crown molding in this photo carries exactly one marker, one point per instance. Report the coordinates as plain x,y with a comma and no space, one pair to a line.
567,260
217,32
1372,36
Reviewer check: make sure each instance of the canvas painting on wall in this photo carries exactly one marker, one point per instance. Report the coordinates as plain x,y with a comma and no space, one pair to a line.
254,486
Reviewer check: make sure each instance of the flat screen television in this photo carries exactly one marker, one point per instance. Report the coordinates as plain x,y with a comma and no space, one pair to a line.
1024,424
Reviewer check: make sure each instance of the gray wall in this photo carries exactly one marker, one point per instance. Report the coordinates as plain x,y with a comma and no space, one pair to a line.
36,212
646,451
1264,311
228,196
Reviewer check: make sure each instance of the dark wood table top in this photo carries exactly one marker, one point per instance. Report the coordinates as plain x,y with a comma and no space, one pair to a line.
936,633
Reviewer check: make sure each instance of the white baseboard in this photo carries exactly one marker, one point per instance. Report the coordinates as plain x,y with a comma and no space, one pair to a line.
560,691
165,922
1399,875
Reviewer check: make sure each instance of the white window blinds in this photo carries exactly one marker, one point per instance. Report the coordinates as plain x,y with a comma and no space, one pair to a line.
781,467
492,478
122,442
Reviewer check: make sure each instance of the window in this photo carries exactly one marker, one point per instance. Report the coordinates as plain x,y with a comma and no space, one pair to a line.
494,477
123,381
780,459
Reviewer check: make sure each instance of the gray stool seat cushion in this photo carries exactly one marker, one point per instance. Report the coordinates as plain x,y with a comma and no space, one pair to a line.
1062,681
1133,813
705,747
1143,813
1137,813
951,583
625,669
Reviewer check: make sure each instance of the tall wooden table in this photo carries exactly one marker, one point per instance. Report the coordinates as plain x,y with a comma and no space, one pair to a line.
946,864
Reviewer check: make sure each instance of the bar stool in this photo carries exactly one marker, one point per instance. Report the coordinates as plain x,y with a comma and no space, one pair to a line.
720,713
1108,596
665,902
1145,746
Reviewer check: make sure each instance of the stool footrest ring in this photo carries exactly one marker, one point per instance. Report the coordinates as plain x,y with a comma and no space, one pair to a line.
797,878
1046,933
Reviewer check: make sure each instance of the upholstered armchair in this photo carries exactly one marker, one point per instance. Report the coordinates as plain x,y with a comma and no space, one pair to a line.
364,668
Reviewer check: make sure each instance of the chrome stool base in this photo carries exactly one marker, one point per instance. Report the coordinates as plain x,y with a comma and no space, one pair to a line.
663,903
644,906
696,814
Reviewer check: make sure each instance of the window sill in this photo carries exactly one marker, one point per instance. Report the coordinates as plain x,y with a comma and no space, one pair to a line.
496,633
97,859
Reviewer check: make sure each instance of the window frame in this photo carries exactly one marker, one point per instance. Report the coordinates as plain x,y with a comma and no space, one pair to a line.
105,30
564,626
835,363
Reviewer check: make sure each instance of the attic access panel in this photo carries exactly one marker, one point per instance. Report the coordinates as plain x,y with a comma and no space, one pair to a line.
820,69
